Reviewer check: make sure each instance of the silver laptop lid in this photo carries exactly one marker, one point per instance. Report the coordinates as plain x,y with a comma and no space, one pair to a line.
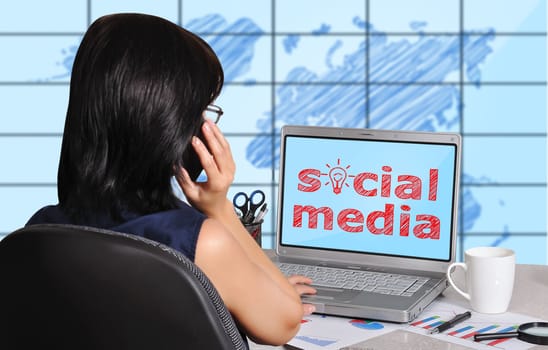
369,197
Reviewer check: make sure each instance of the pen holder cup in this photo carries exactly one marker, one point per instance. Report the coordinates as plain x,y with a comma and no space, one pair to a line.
255,230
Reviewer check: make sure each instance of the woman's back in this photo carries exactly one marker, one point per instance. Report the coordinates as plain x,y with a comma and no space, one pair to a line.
140,86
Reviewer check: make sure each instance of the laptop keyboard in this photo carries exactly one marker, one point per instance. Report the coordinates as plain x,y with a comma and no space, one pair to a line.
369,281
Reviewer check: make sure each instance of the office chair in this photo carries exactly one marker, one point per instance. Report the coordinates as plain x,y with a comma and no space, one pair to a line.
74,287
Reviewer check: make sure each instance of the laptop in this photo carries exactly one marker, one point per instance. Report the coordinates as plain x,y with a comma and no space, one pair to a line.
378,208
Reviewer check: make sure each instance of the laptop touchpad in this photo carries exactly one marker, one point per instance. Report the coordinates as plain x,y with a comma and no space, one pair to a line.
326,294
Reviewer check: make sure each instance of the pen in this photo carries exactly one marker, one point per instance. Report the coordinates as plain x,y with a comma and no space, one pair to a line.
452,322
261,214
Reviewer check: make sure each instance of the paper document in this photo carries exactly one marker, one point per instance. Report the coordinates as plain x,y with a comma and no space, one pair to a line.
463,333
330,332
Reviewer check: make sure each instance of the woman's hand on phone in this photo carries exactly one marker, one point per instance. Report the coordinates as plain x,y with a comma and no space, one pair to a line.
219,166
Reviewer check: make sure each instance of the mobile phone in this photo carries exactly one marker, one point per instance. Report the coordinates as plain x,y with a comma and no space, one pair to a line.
191,161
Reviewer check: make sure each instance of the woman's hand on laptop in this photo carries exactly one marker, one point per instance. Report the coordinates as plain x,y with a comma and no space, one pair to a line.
302,286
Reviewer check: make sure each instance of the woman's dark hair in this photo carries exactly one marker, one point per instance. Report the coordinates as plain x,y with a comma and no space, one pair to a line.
138,89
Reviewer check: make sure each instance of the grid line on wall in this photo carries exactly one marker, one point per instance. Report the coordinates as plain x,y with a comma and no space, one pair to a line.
460,235
306,34
322,83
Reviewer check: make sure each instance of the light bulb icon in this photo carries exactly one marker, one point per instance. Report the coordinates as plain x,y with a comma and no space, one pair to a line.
337,176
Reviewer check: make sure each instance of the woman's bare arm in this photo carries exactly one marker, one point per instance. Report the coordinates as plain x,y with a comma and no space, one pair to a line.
269,311
265,303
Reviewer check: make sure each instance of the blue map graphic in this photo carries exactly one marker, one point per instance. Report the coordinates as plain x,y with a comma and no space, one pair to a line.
410,95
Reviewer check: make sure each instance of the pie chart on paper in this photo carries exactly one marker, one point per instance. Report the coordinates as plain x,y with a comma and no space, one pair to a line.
364,324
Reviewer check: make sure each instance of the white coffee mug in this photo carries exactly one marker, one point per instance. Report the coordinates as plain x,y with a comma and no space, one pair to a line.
489,276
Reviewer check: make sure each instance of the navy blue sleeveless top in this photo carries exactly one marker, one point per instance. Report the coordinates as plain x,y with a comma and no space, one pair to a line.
176,228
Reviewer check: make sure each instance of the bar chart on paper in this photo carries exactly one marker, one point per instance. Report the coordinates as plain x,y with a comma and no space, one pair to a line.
463,333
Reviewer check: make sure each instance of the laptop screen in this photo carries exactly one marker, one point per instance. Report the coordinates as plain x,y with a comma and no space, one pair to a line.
390,198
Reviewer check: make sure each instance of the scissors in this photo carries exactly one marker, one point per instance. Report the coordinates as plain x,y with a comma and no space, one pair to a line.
249,205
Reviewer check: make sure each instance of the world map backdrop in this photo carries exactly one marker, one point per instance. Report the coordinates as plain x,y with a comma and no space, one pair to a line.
473,67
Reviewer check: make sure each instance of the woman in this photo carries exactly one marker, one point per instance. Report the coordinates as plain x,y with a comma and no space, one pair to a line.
140,89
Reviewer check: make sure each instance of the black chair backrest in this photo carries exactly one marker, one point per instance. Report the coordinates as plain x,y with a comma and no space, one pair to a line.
73,287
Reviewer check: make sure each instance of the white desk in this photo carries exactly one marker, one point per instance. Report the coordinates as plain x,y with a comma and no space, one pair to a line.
530,298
